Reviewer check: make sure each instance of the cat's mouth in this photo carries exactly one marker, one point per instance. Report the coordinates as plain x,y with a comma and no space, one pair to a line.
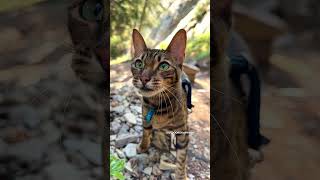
145,88
147,92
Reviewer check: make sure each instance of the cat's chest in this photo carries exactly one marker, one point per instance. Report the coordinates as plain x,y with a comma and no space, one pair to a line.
164,120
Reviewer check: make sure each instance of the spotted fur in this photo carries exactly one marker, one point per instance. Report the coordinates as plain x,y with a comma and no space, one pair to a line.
162,91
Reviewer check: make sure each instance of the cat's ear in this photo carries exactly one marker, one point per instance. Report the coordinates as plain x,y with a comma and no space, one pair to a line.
138,43
177,45
223,9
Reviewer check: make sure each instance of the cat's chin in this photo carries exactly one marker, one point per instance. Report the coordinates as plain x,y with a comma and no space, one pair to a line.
150,93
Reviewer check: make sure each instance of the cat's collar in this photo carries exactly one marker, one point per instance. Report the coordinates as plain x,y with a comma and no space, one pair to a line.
149,115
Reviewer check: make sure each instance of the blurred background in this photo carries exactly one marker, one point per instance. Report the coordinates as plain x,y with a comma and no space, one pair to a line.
283,36
158,21
48,127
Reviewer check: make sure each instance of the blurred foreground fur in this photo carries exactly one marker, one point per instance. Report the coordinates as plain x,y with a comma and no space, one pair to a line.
87,24
228,116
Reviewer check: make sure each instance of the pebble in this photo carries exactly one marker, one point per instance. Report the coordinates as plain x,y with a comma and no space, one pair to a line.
113,137
138,129
191,176
130,150
115,127
30,150
131,118
148,170
124,139
136,109
156,170
124,129
166,166
118,98
90,150
64,170
118,109
120,153
26,114
78,160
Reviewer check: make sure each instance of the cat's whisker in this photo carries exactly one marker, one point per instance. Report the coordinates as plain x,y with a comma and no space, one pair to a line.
164,100
220,127
170,103
232,98
174,96
228,140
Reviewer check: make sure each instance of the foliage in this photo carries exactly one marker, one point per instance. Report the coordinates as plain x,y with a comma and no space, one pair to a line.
116,167
126,15
145,15
198,47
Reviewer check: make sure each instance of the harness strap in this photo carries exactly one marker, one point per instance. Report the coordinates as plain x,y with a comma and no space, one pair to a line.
186,85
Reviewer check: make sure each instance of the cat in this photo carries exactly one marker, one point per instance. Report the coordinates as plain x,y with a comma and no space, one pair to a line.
87,25
230,125
157,76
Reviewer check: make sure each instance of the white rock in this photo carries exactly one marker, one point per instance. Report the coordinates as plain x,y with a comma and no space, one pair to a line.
124,129
115,127
131,118
148,170
130,150
113,137
118,109
137,109
191,177
124,139
120,153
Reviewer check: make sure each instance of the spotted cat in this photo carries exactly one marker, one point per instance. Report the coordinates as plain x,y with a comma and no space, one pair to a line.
157,75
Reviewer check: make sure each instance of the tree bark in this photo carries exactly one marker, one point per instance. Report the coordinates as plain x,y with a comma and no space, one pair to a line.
171,19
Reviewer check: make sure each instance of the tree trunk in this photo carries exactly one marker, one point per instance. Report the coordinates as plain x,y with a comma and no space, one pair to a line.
171,19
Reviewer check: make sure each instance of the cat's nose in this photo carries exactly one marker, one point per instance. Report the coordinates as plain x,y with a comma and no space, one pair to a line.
145,79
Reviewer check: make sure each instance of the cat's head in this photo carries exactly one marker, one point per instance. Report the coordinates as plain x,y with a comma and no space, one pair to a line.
220,26
156,70
87,24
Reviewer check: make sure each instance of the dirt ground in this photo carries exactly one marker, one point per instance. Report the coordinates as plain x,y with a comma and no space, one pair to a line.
291,118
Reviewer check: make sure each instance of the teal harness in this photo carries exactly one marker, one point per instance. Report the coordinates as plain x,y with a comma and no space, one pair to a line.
150,115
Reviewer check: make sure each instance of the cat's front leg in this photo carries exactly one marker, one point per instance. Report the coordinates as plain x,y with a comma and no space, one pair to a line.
181,147
146,139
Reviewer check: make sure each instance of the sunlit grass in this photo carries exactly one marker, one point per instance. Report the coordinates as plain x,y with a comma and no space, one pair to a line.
10,5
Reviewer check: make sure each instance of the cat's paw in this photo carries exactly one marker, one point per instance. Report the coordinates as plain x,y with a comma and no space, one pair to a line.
142,148
255,156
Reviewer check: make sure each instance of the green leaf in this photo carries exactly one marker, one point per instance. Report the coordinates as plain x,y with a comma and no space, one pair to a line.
117,167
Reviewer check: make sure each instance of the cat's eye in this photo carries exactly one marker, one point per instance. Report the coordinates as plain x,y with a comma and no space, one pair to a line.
138,64
92,10
164,66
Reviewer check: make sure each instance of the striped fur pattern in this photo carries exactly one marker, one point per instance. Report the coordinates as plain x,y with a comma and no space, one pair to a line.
228,123
160,86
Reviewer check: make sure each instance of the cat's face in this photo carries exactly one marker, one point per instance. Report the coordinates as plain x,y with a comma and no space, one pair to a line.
156,70
87,22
